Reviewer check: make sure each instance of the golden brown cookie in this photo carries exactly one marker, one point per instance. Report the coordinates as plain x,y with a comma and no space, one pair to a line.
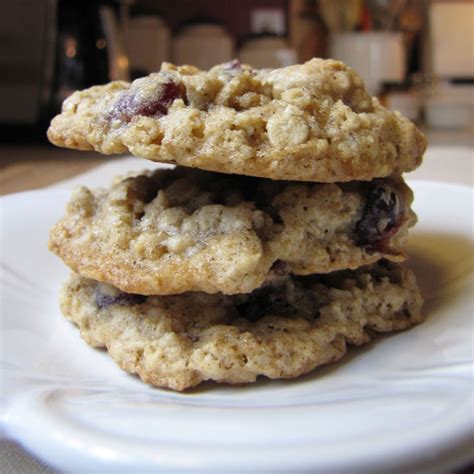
282,330
172,231
309,122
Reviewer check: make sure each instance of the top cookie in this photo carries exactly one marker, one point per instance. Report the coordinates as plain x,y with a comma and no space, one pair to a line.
309,122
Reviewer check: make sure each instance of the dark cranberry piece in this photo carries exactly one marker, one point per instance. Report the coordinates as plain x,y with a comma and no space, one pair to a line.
123,299
381,216
265,301
154,105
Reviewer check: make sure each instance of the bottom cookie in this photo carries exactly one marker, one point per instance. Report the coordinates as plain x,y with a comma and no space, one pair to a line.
282,330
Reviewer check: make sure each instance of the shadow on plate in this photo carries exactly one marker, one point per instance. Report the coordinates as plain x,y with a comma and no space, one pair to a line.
440,262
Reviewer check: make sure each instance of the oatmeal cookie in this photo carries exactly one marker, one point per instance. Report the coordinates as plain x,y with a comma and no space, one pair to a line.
309,122
172,231
282,330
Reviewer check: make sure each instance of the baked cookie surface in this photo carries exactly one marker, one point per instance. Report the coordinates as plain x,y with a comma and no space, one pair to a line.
172,231
309,122
282,330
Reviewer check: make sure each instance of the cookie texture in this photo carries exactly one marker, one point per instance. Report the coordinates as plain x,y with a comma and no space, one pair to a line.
282,330
172,231
309,122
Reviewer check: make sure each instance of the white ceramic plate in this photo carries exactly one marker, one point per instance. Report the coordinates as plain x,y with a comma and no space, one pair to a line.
401,403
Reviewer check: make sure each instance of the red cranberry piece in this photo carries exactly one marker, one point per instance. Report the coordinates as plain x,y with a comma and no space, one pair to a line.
154,105
382,214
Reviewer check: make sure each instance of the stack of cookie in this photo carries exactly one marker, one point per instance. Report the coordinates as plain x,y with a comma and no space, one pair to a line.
282,247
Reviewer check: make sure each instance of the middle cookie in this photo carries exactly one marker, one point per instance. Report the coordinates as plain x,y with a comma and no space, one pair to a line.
172,231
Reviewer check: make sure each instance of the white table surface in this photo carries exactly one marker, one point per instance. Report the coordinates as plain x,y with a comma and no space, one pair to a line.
445,163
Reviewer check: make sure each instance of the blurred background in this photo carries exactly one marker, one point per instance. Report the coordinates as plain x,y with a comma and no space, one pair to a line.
415,55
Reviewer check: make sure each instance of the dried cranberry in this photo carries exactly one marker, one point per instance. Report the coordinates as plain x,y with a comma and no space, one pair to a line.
123,299
154,105
382,214
265,301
